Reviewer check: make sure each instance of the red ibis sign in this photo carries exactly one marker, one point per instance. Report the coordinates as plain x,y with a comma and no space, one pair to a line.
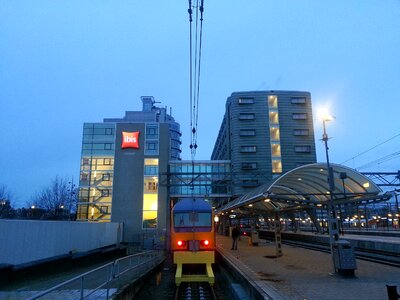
130,140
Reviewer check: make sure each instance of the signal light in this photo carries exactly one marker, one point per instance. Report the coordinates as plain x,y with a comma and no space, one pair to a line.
181,243
205,243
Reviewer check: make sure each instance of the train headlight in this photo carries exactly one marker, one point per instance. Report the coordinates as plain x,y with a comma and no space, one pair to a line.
181,244
205,243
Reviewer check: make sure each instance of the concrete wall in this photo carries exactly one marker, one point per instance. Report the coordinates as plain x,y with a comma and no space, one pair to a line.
127,203
24,241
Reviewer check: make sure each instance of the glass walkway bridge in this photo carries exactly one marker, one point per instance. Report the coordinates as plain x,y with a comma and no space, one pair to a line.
209,179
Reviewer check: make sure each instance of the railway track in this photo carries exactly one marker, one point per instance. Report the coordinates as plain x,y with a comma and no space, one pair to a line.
381,257
195,291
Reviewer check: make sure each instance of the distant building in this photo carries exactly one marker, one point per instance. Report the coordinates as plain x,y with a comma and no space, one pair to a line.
122,159
264,134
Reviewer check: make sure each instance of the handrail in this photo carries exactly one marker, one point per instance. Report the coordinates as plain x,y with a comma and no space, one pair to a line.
153,254
76,278
113,274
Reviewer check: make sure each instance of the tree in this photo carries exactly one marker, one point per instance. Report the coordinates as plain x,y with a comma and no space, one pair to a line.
58,199
5,202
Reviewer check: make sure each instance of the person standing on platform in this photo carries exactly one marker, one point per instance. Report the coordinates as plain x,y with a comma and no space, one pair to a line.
235,236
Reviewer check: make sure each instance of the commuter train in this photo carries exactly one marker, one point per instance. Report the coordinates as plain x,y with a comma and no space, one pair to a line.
193,240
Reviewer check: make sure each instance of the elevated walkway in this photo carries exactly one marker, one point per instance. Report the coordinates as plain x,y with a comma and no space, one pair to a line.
303,274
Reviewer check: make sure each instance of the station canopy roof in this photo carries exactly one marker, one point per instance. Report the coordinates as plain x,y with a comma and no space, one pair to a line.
307,187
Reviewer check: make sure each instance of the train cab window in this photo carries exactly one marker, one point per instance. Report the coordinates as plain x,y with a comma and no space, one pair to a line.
192,221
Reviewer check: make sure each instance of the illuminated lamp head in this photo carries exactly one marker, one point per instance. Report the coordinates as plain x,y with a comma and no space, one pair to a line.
205,243
181,244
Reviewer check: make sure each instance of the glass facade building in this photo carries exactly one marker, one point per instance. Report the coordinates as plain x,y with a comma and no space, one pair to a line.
96,172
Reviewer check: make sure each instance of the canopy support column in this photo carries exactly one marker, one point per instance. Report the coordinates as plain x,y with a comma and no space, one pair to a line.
278,235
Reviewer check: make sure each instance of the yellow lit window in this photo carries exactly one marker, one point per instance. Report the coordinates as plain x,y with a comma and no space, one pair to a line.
149,219
275,150
273,117
276,166
150,202
273,101
150,196
151,162
151,185
274,133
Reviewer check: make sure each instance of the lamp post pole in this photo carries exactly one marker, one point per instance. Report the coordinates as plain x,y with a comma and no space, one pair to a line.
333,222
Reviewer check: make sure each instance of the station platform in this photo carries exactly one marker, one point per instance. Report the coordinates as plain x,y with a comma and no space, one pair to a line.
305,274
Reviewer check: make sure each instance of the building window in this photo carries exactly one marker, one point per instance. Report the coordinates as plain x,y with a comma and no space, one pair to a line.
249,183
302,132
106,161
109,131
302,149
152,131
276,166
84,176
105,193
275,150
247,132
249,165
151,147
85,161
246,100
106,177
299,116
273,117
104,209
298,100
150,207
248,149
149,219
107,146
150,170
151,185
151,166
150,193
274,133
273,101
246,116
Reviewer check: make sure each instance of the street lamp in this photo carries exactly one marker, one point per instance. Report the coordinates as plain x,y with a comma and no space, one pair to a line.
71,191
332,219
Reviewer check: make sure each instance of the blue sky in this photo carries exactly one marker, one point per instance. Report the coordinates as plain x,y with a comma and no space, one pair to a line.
63,63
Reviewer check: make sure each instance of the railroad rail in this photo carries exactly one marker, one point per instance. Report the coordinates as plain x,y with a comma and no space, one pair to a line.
195,291
378,256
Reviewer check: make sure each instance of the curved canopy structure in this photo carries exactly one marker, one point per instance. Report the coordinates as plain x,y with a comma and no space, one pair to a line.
308,186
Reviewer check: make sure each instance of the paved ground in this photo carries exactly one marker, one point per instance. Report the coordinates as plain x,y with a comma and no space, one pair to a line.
306,274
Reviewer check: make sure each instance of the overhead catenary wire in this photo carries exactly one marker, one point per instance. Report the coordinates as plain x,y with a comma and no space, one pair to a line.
190,11
194,68
201,9
380,160
372,148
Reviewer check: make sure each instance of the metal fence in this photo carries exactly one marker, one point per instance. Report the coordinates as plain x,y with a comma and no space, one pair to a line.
99,283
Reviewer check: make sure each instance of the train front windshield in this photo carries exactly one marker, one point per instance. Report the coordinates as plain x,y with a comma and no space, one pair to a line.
192,221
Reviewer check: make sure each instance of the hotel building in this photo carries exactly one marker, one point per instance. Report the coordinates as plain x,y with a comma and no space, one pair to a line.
122,159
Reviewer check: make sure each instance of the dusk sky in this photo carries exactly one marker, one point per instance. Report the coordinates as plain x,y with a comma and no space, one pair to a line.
63,63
